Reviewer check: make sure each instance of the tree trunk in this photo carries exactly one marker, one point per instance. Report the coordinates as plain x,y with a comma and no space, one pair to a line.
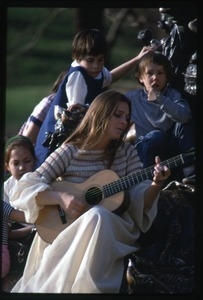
86,19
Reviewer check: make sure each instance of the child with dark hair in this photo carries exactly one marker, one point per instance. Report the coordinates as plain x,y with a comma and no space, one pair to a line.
19,159
86,78
162,118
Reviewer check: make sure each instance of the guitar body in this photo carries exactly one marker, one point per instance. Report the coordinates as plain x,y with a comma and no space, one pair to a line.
50,222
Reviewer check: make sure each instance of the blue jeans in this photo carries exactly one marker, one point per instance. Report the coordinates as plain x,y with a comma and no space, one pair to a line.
179,139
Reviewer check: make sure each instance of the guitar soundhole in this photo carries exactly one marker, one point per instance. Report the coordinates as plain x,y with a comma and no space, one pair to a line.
93,196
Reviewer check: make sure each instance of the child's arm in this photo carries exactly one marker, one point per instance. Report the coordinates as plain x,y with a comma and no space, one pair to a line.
126,67
32,131
17,215
20,232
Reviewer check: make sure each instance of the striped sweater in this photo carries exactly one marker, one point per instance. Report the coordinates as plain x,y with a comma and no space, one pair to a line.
7,208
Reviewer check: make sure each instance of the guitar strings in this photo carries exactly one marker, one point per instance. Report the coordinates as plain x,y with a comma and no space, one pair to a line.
132,179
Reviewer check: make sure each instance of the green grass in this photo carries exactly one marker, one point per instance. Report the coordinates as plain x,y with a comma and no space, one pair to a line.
19,103
21,100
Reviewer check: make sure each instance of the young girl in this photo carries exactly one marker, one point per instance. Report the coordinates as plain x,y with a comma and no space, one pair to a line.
87,253
19,159
86,78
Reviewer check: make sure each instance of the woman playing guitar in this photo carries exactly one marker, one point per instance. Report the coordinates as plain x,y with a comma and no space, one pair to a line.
86,182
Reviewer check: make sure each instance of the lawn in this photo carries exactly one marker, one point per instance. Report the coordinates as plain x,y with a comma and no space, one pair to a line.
20,101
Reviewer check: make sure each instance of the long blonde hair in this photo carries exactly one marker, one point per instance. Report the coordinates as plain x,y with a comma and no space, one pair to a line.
90,131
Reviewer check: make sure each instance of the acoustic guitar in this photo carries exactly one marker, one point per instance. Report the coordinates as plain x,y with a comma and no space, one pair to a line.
104,188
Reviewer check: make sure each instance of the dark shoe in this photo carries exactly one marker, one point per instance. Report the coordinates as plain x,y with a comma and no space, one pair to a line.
189,180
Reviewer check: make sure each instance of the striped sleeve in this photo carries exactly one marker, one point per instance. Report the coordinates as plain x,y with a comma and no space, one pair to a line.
7,208
56,163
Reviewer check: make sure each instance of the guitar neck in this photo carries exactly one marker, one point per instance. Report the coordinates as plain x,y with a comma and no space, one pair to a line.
147,173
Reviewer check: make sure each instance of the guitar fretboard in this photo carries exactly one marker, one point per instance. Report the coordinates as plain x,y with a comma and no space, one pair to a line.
132,179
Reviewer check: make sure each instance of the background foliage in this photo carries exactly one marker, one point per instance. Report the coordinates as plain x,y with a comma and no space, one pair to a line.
39,47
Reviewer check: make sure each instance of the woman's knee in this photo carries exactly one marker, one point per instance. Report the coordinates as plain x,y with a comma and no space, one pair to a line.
99,211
